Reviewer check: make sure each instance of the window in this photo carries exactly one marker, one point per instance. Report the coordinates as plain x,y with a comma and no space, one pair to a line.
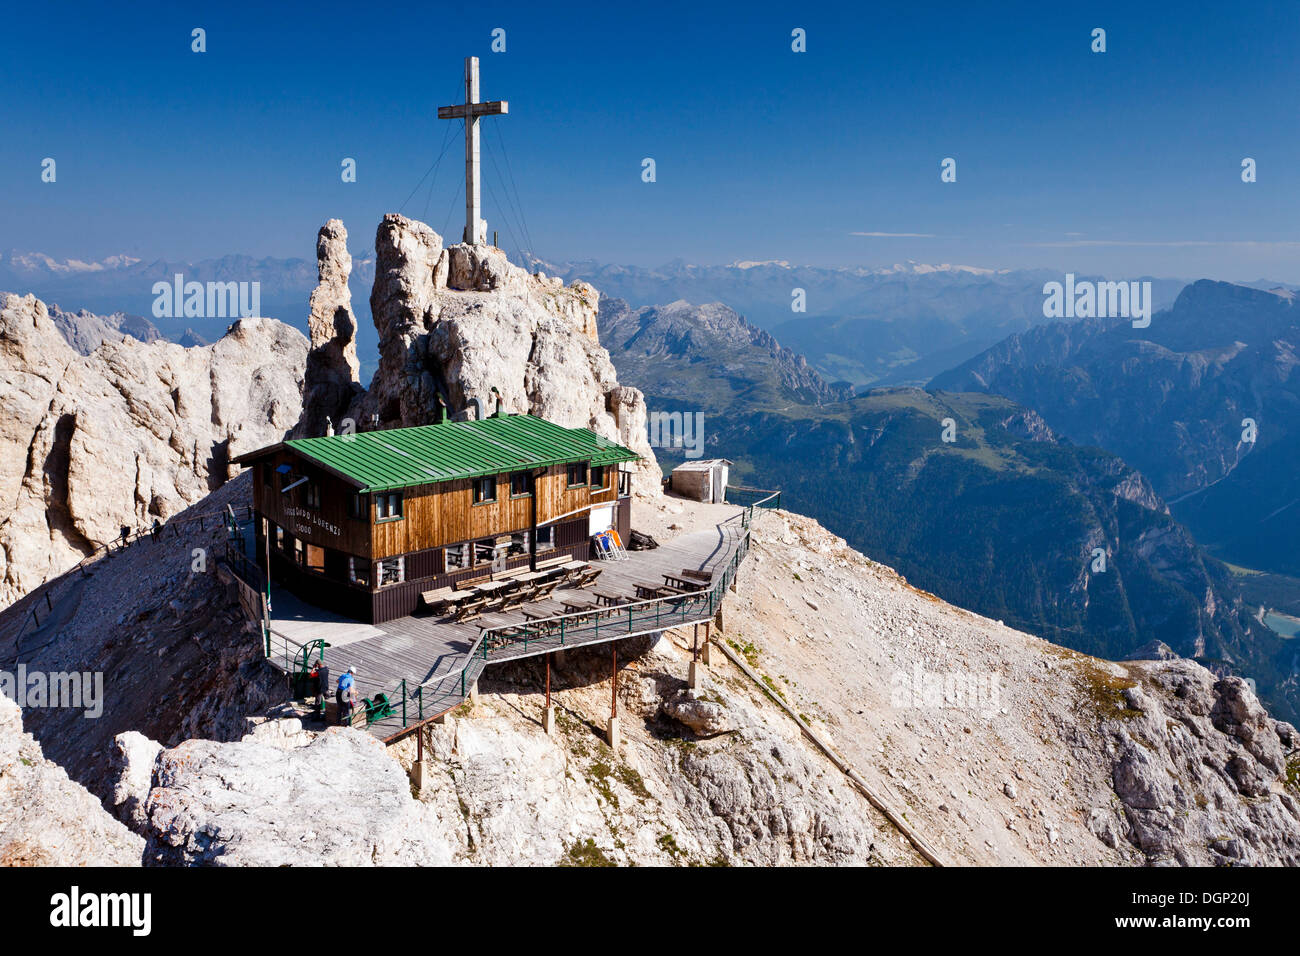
391,571
577,473
359,571
624,483
485,489
279,538
521,484
518,544
299,558
313,495
546,538
388,507
597,476
457,556
484,551
316,558
358,506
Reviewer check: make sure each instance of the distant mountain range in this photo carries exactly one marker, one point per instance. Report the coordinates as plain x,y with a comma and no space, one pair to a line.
1173,400
1005,519
122,284
897,325
732,363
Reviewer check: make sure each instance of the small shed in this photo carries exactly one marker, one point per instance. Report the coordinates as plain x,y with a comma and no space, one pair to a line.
702,480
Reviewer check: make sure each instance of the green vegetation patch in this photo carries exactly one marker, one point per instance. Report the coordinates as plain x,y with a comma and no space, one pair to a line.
585,853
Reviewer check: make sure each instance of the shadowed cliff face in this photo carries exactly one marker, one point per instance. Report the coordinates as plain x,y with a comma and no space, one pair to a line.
457,322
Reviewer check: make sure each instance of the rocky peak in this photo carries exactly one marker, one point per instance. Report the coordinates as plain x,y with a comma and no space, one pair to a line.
456,322
332,378
130,432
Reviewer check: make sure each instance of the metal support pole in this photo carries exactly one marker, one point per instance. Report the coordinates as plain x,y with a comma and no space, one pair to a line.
695,642
548,680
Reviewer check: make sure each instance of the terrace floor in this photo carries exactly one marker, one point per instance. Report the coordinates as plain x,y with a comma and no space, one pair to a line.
414,652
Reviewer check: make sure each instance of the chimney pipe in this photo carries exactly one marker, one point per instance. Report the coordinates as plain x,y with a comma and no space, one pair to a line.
478,408
442,409
329,426
500,402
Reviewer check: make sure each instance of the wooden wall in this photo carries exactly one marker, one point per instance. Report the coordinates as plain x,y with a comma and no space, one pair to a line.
433,515
329,527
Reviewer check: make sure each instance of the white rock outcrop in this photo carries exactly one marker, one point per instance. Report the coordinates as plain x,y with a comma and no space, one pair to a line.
47,819
339,800
130,432
332,379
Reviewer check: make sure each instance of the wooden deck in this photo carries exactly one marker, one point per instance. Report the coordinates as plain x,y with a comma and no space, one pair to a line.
430,655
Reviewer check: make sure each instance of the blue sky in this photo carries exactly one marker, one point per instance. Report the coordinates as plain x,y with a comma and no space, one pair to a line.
1127,161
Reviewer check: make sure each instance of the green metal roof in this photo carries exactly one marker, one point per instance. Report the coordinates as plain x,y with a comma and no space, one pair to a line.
401,457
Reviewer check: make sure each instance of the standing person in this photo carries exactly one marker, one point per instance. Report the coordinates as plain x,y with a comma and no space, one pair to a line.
347,696
157,529
126,535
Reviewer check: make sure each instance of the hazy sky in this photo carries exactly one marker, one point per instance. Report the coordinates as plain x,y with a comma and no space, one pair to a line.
1127,161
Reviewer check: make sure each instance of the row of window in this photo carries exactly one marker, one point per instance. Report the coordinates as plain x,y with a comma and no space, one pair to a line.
457,557
388,505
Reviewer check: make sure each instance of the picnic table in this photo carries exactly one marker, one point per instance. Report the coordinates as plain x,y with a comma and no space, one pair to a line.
681,584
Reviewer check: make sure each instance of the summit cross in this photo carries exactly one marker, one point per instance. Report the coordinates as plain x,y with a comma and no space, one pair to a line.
470,111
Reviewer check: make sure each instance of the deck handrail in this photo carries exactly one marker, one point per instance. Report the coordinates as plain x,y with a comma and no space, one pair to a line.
477,657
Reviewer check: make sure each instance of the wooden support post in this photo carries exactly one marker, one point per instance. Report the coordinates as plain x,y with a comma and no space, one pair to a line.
613,734
418,768
548,715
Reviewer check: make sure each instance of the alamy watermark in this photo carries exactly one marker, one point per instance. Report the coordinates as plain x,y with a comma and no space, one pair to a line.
76,690
683,430
933,690
1100,300
206,300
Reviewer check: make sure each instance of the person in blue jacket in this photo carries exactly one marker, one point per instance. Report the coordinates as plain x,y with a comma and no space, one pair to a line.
347,695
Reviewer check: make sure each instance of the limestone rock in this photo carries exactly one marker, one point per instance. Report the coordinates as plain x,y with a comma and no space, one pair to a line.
47,819
1201,771
85,331
457,322
331,380
340,800
705,717
132,762
131,432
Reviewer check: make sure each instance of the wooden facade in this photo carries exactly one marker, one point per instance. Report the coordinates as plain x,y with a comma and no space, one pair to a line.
370,555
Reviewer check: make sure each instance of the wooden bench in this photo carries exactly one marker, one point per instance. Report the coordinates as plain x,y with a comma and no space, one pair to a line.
470,608
553,562
437,598
681,584
647,591
467,583
694,574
